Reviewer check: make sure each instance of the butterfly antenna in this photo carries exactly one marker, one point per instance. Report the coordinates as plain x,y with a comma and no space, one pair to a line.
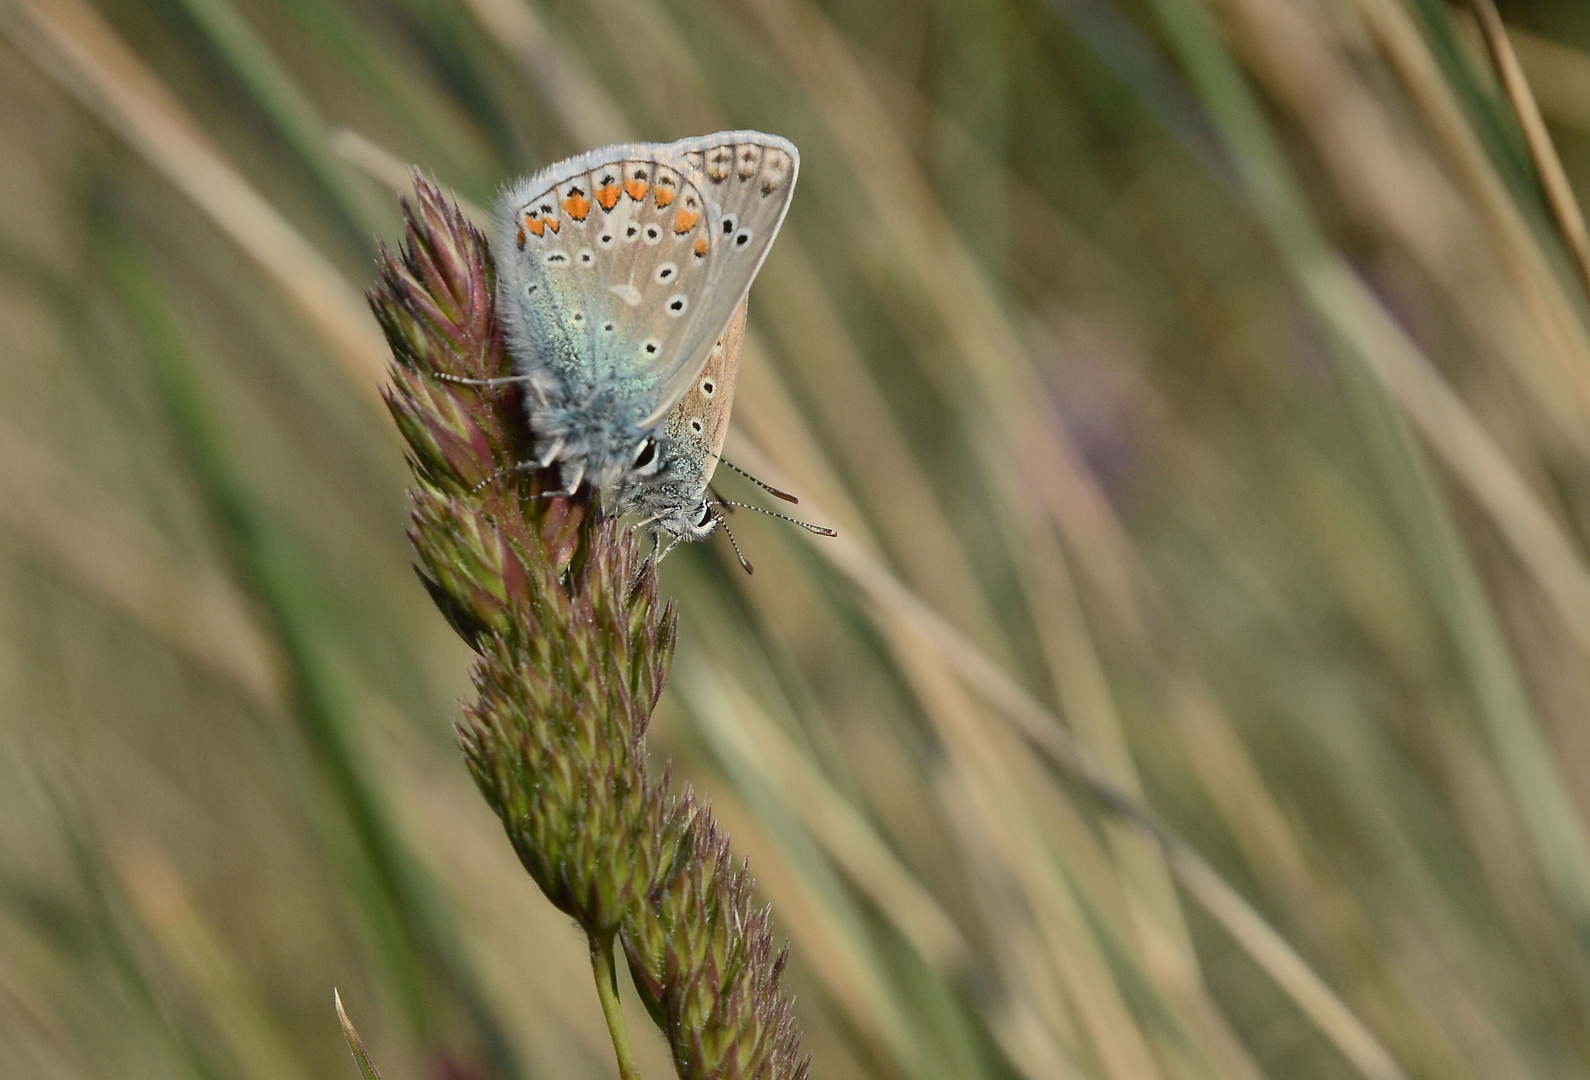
808,526
738,554
718,497
769,488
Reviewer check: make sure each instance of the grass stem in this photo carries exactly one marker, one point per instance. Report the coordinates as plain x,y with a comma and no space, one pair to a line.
1549,172
607,990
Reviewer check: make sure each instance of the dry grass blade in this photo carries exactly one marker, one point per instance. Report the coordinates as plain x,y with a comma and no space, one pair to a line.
901,611
1459,439
1401,370
1558,76
958,292
1282,963
116,556
579,100
1548,167
851,842
69,39
355,1045
385,167
994,813
1445,203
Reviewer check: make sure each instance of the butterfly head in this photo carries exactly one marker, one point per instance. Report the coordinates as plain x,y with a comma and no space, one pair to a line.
692,522
667,508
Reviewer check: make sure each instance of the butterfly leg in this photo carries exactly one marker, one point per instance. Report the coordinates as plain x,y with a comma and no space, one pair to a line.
667,549
551,454
509,470
460,380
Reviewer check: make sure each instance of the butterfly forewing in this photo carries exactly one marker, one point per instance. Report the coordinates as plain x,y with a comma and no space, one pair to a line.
609,264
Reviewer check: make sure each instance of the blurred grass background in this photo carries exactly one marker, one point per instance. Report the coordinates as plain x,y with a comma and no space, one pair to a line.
1197,689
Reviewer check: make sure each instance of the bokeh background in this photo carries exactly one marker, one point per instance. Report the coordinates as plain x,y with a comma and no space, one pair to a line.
1198,687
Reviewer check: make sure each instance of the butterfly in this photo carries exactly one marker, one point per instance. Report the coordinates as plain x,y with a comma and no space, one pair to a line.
622,281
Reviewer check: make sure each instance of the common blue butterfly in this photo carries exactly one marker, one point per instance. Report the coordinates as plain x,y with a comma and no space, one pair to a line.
622,277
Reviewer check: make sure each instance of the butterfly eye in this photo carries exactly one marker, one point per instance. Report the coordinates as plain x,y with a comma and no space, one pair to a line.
648,454
706,516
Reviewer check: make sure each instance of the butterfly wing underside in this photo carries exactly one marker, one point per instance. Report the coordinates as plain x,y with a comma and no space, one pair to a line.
697,426
608,258
749,179
619,276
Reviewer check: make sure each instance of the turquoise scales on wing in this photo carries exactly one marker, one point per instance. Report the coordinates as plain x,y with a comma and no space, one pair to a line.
619,272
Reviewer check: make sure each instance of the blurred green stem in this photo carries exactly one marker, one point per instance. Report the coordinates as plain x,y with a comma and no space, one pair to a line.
612,1010
290,109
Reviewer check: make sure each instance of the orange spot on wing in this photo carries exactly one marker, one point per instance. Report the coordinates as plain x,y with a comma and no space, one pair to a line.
701,247
607,196
535,224
577,205
636,189
520,238
665,195
554,224
685,221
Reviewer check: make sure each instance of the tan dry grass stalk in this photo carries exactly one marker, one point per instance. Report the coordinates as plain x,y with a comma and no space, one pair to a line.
71,40
1548,167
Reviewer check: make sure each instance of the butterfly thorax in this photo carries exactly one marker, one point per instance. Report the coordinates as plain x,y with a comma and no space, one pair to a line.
595,434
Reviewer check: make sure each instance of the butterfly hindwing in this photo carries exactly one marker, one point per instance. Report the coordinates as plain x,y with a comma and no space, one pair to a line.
695,429
749,179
